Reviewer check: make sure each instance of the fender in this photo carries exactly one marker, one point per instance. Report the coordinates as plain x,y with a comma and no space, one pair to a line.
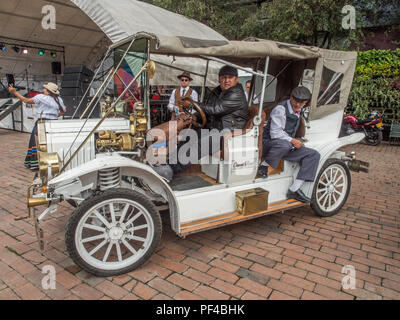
86,175
327,150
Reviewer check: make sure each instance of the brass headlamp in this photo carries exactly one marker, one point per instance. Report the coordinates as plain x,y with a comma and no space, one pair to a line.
49,165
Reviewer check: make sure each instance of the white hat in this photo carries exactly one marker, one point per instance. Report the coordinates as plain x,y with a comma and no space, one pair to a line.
52,87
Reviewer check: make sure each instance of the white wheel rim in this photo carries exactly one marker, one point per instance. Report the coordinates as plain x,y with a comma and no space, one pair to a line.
331,188
114,234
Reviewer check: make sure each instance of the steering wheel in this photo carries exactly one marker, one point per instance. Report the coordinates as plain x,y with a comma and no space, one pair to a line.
202,123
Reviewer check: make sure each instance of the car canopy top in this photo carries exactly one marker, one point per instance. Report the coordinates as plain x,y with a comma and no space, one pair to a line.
333,70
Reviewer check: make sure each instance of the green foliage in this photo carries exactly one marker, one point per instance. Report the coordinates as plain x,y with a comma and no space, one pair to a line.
376,85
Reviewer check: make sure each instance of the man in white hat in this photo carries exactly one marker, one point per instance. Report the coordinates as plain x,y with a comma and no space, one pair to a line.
49,106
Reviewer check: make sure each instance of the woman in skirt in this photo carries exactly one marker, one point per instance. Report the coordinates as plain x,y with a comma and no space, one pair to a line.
49,106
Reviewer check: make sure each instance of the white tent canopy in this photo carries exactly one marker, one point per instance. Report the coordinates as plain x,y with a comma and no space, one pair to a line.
84,28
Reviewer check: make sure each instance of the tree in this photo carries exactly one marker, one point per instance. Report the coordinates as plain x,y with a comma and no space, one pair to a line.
309,22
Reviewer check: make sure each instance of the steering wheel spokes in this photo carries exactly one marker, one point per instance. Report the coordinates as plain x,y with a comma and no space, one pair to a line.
188,110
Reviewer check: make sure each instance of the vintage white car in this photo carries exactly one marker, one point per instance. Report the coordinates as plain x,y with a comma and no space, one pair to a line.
101,166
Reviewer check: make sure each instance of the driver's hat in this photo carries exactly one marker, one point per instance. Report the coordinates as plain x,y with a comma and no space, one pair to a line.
301,94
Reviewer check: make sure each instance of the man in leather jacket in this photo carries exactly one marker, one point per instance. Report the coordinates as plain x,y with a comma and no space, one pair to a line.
226,109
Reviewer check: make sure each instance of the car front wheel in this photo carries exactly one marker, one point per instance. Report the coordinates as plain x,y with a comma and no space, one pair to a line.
113,232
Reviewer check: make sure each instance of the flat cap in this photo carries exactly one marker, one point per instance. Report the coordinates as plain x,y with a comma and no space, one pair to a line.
228,70
301,94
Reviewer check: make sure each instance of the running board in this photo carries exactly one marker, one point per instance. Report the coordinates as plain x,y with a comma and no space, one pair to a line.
235,217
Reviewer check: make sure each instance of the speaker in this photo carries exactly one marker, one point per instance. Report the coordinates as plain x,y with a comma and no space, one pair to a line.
77,83
56,67
79,92
72,103
79,69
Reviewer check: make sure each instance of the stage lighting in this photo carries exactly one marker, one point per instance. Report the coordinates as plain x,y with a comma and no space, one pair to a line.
25,51
41,52
16,49
3,47
54,55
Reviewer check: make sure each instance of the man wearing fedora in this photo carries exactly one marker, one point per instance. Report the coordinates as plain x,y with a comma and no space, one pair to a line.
183,91
280,141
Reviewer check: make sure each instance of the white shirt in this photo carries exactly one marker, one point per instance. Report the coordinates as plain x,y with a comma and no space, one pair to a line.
278,122
194,96
255,101
48,106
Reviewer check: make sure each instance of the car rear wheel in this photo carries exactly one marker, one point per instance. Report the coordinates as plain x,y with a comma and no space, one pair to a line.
331,189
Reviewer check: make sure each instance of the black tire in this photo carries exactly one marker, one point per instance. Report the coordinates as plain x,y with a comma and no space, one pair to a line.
322,178
373,137
84,212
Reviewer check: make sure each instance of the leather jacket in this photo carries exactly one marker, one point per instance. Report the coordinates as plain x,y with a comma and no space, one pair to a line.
226,109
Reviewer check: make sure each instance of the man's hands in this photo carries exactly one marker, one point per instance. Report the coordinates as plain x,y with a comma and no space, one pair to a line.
297,143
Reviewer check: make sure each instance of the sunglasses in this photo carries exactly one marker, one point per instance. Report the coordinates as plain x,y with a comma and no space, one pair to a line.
185,80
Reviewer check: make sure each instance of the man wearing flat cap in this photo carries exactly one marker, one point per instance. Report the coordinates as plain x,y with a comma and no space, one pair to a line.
183,91
280,141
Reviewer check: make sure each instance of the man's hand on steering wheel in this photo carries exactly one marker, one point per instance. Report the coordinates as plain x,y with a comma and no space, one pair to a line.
185,103
188,105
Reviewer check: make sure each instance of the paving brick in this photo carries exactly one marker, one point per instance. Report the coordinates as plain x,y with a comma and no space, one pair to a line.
298,256
186,295
199,276
276,295
196,264
307,295
331,293
210,293
228,288
285,287
164,286
86,292
270,272
224,265
144,291
251,296
254,287
298,282
29,292
382,291
223,275
312,268
8,294
253,276
238,261
291,270
142,275
261,260
112,290
67,279
183,282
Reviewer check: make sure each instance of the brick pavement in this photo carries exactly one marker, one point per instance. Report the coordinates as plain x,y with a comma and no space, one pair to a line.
292,256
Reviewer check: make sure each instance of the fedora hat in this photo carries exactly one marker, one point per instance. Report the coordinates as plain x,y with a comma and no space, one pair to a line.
185,74
52,87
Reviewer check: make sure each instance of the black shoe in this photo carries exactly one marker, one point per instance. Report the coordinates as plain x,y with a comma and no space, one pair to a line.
262,171
299,196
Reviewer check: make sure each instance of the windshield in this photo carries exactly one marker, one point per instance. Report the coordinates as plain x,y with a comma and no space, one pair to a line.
127,69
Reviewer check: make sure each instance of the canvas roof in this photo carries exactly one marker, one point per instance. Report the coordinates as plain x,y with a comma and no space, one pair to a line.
85,28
